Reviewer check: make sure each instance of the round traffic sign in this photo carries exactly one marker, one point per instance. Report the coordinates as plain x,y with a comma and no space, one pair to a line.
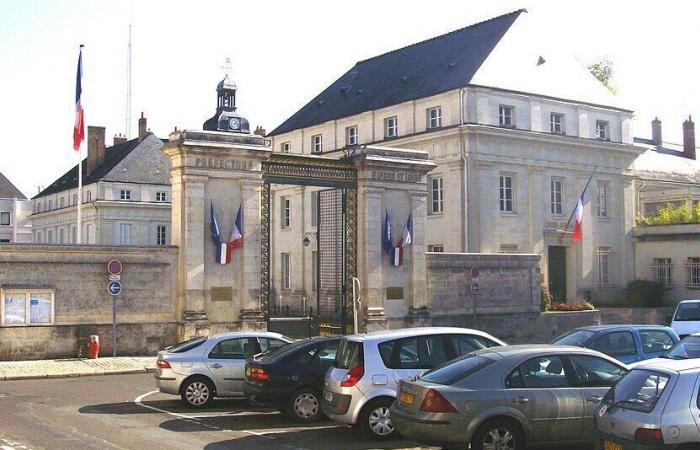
114,287
475,271
475,288
114,267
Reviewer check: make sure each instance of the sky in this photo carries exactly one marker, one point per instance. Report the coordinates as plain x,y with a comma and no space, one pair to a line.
282,54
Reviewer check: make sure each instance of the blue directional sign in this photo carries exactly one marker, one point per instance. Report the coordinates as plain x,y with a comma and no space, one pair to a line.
114,287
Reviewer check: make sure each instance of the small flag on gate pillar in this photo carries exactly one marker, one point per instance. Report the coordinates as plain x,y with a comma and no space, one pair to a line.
406,240
386,234
216,237
236,240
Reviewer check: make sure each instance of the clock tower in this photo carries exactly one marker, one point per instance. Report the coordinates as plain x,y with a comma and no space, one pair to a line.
226,117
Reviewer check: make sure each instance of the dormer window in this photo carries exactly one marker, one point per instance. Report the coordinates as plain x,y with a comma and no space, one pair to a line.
391,128
506,116
434,117
556,123
317,143
602,130
351,135
285,147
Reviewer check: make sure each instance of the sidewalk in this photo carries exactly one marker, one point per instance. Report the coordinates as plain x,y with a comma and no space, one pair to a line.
59,368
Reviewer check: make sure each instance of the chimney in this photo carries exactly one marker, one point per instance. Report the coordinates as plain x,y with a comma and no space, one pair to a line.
656,131
96,148
143,130
119,139
689,138
260,131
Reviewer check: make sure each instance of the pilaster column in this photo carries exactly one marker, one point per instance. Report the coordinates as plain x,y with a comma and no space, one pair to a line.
419,311
370,217
251,312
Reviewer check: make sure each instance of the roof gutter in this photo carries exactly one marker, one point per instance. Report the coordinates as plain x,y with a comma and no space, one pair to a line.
462,152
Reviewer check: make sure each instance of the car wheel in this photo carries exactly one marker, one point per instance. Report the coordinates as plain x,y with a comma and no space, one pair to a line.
304,405
197,392
375,421
498,434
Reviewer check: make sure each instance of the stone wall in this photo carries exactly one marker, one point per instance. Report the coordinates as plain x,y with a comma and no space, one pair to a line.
642,316
147,310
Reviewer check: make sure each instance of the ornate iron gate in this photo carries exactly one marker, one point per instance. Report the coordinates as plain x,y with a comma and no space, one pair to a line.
330,282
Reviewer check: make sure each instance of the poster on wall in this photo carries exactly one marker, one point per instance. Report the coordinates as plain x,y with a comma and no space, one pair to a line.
40,308
15,309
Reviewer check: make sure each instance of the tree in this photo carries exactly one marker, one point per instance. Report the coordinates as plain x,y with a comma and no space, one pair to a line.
603,70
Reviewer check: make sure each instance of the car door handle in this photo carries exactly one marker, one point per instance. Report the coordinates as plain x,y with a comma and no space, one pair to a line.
595,399
217,366
521,400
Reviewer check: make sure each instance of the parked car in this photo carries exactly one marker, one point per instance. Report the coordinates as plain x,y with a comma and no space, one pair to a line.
361,385
626,343
206,367
685,320
655,406
686,348
505,397
290,378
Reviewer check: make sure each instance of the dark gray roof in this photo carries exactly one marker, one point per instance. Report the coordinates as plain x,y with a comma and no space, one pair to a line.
8,190
427,68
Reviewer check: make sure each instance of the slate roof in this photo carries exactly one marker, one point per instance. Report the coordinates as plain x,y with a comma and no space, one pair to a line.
69,180
8,190
665,163
427,68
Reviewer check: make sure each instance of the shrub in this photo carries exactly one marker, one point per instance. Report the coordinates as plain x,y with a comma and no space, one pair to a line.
577,306
671,214
644,293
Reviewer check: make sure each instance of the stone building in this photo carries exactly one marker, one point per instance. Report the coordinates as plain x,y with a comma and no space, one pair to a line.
15,210
126,195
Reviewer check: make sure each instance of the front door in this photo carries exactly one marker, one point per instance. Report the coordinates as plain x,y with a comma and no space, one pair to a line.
226,361
556,272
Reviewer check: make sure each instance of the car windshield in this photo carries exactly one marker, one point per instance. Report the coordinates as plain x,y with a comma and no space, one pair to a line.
687,348
574,338
687,312
639,390
281,351
184,346
456,370
349,354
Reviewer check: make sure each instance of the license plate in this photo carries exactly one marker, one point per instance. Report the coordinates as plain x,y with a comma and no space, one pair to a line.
612,446
406,398
328,396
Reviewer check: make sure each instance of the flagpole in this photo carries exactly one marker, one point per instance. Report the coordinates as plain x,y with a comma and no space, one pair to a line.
79,233
574,211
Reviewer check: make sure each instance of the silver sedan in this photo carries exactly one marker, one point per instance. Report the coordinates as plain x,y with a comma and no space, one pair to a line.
206,367
502,397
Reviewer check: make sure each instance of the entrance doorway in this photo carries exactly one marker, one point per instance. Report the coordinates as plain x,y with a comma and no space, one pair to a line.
556,272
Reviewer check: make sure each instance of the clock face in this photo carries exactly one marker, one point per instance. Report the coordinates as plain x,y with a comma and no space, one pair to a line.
234,123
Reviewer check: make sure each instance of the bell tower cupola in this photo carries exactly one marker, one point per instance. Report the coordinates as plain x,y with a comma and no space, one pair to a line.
226,117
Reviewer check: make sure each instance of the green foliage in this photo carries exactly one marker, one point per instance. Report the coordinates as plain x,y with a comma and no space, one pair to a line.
582,305
603,70
644,293
673,215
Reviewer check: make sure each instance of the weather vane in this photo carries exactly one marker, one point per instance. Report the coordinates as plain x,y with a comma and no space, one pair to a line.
226,68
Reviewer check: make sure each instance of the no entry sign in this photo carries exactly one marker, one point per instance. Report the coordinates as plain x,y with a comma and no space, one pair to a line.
114,267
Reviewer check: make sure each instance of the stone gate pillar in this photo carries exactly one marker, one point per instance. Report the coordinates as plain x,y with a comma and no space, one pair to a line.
392,181
224,170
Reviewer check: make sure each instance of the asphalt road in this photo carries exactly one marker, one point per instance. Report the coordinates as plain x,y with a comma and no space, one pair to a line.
123,412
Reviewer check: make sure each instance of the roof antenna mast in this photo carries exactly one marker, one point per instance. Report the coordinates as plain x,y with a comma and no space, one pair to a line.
128,82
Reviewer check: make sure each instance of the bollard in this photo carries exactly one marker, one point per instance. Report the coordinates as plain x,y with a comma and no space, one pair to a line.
93,346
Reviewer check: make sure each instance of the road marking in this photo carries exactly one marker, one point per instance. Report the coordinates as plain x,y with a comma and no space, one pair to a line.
7,444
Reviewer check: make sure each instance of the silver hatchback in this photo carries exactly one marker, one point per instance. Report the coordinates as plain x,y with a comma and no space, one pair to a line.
655,406
206,367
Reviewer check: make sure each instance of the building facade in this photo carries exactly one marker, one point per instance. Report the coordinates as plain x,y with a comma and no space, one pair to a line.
15,210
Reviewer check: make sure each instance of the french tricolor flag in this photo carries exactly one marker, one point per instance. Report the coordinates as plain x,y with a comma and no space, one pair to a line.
221,247
236,240
578,215
406,240
79,127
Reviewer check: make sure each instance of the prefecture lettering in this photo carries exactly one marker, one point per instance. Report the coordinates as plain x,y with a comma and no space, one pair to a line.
224,164
387,175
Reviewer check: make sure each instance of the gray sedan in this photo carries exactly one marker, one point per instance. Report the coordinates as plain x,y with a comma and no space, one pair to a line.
502,397
206,367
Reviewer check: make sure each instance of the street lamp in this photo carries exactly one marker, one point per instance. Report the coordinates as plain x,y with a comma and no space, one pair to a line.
307,238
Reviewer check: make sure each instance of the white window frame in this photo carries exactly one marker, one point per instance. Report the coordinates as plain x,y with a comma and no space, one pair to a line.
286,205
286,275
285,147
556,123
27,307
351,136
602,130
662,271
49,236
433,117
504,190
124,234
9,218
692,272
436,248
391,127
506,116
317,143
161,196
603,187
556,196
161,235
604,256
436,195
508,248
125,194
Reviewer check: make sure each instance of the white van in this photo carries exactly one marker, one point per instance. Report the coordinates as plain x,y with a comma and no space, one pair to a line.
686,319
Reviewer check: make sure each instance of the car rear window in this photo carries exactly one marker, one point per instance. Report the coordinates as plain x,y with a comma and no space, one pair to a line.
686,349
282,351
574,338
639,390
456,370
182,347
350,354
414,352
687,312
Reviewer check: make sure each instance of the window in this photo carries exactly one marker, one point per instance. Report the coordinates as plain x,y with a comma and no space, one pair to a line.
556,190
314,270
62,200
416,352
4,241
556,123
602,130
434,117
161,235
467,343
391,127
505,193
655,341
74,235
640,390
449,374
89,239
89,196
240,348
506,116
661,271
436,195
286,274
286,212
285,147
602,199
50,205
328,351
4,218
161,196
692,273
125,233
436,248
61,236
604,266
267,344
75,199
617,343
508,248
49,236
317,143
592,371
542,372
351,135
125,194
27,307
314,209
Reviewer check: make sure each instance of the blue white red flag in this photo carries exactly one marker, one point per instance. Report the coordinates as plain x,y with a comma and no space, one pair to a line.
216,237
578,215
236,240
79,127
406,240
386,234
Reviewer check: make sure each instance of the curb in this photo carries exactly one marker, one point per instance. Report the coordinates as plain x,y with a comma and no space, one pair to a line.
76,374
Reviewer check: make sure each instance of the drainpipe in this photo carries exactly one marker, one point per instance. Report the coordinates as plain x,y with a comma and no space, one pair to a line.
639,211
462,152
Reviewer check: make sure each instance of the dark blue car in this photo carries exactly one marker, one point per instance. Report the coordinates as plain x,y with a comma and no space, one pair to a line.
626,343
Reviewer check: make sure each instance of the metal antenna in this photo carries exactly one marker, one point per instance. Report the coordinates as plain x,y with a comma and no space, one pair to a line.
128,86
